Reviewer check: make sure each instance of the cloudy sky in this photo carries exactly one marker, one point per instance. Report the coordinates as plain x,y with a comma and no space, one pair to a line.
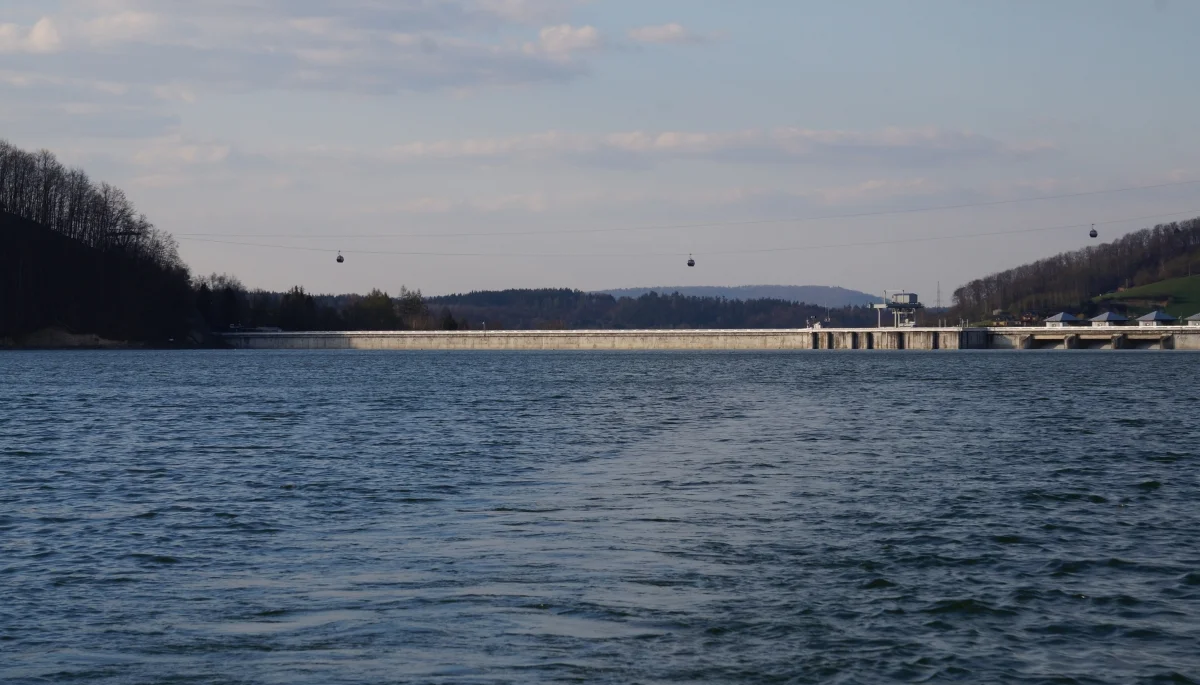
452,145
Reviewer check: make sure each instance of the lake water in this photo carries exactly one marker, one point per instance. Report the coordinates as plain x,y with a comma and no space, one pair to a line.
346,517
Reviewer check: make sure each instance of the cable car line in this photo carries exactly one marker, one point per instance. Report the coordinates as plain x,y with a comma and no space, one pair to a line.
795,248
719,224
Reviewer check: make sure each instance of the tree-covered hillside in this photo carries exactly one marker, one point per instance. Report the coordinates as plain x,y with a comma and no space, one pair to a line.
76,255
1072,280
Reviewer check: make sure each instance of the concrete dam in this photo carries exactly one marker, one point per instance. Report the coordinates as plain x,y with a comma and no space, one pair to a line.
908,338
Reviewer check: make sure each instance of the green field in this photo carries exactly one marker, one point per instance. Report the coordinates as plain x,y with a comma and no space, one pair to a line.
1181,294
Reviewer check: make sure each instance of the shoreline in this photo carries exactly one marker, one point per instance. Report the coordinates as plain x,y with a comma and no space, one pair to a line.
925,339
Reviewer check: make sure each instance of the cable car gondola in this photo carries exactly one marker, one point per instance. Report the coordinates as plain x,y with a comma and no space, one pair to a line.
1093,232
340,258
691,262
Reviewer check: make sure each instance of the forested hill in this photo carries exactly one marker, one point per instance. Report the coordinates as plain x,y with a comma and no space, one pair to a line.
825,296
1070,280
563,308
76,255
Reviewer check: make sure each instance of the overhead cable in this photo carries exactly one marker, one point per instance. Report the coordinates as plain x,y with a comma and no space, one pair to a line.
674,227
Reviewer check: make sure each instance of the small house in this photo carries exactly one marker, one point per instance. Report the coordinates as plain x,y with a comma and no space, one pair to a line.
1002,318
1061,320
1193,320
1108,319
1156,318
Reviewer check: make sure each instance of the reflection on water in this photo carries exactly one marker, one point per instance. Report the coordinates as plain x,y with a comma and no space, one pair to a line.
653,517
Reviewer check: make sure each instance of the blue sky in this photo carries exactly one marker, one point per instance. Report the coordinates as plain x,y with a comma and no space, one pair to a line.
314,123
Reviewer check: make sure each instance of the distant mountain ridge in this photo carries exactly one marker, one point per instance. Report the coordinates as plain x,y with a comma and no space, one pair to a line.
822,295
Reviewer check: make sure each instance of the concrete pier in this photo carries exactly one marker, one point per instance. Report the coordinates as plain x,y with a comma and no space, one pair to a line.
1127,338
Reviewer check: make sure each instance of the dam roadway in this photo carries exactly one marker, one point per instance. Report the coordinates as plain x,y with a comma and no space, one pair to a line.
1011,338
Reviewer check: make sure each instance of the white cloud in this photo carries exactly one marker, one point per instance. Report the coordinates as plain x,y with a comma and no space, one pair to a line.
174,151
421,205
41,38
665,33
122,27
160,181
175,92
781,199
563,40
526,203
778,199
890,145
343,45
878,189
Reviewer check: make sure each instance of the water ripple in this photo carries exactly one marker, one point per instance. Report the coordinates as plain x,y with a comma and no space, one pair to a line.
346,517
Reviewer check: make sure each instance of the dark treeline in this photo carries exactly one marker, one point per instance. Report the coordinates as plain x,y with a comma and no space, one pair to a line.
225,303
1068,281
76,254
572,309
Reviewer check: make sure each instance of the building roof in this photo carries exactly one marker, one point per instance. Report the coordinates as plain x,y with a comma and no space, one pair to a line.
1194,317
1157,315
1109,316
1062,316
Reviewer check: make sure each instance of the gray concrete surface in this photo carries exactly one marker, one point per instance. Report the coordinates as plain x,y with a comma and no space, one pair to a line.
1166,337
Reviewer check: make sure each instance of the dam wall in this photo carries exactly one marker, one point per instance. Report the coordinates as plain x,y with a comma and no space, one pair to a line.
801,339
741,339
1125,338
